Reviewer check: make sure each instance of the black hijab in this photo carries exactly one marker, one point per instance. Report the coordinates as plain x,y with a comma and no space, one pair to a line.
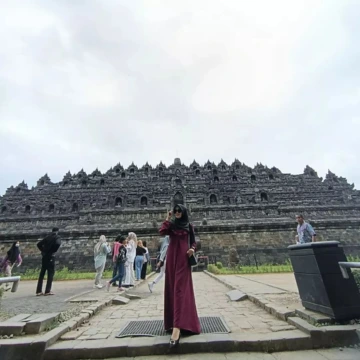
183,223
13,253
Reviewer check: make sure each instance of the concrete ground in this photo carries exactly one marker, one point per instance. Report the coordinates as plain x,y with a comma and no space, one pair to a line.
329,354
25,301
241,317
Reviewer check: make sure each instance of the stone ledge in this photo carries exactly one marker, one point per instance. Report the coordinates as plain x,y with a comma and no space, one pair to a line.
132,347
325,336
328,336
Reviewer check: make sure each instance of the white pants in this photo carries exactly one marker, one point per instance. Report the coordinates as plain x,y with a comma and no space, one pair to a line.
99,273
129,274
160,275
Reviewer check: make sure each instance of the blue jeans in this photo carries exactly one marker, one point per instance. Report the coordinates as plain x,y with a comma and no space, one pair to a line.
138,266
120,274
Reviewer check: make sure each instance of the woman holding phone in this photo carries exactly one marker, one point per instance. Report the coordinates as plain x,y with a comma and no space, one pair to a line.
180,312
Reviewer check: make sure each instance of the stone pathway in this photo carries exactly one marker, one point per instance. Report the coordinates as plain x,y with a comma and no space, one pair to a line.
242,317
280,289
24,300
331,354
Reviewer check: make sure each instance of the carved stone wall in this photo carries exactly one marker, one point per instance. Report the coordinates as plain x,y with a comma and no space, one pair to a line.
225,198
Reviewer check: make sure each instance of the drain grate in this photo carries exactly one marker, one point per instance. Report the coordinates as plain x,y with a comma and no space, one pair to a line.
209,325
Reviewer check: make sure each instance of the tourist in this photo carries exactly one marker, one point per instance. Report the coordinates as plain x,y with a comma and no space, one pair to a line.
101,250
139,259
146,261
11,259
161,264
120,261
180,314
48,247
115,253
305,232
130,260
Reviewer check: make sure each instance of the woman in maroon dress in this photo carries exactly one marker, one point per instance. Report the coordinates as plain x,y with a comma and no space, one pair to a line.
180,309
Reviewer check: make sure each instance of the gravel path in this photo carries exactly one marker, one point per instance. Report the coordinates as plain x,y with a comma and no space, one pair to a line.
24,300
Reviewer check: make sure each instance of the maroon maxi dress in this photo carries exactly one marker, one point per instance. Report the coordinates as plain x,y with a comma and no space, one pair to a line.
180,307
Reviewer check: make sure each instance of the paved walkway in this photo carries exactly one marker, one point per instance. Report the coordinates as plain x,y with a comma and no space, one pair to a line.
241,317
331,354
25,301
280,289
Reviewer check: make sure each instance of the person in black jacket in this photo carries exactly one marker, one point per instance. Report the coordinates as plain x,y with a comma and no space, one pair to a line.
48,247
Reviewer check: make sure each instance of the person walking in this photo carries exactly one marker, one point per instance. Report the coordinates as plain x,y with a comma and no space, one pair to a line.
101,250
120,261
11,259
180,313
161,264
139,259
130,262
146,261
48,247
305,232
115,253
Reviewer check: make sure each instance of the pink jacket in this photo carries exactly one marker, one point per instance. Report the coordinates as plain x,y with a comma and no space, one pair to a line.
115,251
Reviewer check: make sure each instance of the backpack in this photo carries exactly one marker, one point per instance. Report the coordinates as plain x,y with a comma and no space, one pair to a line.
121,257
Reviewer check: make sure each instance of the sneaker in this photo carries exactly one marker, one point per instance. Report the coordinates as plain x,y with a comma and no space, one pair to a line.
49,293
108,286
121,289
99,286
151,285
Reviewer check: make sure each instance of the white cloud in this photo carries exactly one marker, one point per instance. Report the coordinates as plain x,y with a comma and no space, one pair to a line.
89,84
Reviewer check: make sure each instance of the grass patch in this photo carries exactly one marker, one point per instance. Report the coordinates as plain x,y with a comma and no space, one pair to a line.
66,274
261,269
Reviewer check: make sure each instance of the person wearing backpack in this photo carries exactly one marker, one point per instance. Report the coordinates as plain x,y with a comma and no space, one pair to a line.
120,261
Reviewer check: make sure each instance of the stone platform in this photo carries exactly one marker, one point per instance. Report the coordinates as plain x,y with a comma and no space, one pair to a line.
266,321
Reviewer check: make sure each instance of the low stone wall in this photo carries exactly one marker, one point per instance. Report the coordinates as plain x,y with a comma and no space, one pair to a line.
260,242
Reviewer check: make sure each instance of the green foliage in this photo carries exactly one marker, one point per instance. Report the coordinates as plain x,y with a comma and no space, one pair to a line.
213,269
66,274
356,274
261,269
219,265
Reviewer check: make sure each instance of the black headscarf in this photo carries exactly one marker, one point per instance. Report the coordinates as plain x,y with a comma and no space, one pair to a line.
13,253
183,223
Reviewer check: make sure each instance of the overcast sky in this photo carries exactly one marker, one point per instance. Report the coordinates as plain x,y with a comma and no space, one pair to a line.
86,84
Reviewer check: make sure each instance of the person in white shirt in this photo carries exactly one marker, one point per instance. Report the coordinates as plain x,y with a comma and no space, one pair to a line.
146,261
130,256
161,263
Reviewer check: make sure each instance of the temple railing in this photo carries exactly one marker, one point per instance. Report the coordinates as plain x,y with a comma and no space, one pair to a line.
11,279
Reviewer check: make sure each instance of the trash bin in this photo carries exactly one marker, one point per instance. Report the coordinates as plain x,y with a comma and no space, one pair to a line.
321,285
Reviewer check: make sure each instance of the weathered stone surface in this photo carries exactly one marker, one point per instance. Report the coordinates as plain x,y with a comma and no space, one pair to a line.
8,328
250,210
120,300
236,295
38,323
132,296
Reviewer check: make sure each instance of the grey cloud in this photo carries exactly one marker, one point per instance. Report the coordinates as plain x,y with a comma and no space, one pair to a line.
99,85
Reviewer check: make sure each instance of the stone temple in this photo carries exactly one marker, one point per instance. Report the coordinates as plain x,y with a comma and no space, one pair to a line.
232,206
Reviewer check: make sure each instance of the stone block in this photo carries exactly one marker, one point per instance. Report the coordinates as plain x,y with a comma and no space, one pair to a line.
17,318
37,324
236,295
120,300
8,328
132,296
140,347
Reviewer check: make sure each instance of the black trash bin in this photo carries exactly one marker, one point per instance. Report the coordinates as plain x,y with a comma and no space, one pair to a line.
321,285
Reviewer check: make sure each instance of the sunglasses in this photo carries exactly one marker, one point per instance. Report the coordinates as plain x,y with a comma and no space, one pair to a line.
177,211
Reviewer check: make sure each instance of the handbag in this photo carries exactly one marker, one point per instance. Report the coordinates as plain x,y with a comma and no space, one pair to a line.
193,260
